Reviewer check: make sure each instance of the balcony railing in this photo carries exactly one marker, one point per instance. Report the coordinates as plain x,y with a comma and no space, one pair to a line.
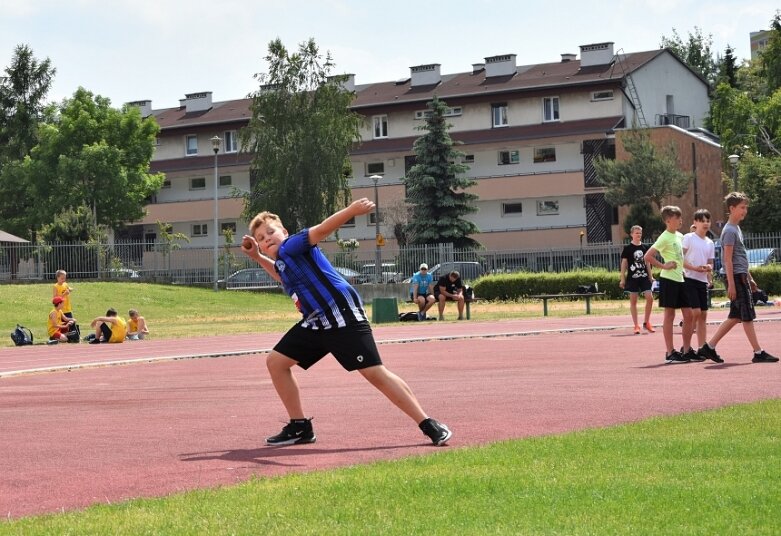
681,121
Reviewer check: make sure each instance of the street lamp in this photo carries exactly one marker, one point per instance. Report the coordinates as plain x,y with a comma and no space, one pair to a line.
582,234
377,255
734,159
216,147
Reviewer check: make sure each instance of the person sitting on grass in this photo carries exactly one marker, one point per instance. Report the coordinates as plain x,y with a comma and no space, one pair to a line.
58,324
333,322
136,326
109,328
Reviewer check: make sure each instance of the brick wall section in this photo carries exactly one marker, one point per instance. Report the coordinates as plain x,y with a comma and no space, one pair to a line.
695,156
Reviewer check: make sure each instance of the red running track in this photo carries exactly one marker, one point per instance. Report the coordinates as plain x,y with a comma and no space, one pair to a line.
106,434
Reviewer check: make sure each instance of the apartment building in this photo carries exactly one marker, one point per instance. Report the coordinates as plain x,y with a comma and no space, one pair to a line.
530,134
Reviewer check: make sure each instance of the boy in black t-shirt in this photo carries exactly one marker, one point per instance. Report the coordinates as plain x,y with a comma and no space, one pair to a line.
637,278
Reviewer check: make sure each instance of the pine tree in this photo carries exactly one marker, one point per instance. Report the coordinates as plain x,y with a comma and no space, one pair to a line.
436,187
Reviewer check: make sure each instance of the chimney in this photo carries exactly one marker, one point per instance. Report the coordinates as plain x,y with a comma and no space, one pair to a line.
478,67
596,54
425,75
500,65
197,102
144,106
567,57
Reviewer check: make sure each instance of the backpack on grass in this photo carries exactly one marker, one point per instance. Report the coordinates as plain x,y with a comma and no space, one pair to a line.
22,336
408,317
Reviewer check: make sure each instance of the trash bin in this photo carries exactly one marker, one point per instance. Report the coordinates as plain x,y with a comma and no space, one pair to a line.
384,310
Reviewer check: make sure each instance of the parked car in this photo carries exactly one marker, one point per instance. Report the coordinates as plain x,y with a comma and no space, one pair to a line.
123,273
469,270
350,275
249,278
390,273
756,257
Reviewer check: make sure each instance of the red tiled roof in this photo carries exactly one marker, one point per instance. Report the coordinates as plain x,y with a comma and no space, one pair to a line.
583,127
219,113
526,78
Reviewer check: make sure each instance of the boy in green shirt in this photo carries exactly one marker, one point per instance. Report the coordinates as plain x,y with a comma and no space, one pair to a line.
672,294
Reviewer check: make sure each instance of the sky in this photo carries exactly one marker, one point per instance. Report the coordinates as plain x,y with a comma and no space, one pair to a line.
130,50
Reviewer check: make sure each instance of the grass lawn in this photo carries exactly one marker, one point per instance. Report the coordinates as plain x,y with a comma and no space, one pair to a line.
717,472
174,311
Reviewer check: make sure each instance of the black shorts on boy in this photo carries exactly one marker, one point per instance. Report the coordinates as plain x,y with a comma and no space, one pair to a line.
696,293
672,294
640,285
353,346
742,307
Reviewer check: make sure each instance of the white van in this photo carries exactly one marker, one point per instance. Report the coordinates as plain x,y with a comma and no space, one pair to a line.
390,274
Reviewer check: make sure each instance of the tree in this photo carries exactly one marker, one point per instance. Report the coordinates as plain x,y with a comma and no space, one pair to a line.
300,134
650,175
95,156
22,108
760,179
728,69
771,56
643,214
694,52
436,187
733,117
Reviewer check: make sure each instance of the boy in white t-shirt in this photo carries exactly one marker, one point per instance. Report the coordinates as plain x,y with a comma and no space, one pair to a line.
698,257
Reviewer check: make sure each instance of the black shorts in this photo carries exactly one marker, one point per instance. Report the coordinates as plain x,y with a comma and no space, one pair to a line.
672,294
742,307
641,285
353,346
696,293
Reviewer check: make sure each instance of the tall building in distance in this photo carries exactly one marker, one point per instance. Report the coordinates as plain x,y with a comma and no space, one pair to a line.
758,41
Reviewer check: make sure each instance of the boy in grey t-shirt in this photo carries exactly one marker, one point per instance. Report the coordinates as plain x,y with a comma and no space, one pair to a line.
740,284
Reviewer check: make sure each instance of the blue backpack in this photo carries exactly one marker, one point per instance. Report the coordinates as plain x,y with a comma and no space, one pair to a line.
22,336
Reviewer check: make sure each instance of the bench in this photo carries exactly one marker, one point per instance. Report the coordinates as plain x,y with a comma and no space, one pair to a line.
467,301
586,295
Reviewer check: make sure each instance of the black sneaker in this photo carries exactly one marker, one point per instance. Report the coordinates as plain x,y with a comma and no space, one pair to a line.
675,357
710,353
438,433
764,357
296,432
692,355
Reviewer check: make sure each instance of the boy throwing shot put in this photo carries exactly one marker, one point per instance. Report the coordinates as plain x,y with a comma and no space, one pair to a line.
333,322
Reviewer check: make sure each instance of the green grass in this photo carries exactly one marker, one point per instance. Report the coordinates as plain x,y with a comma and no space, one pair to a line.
174,311
717,472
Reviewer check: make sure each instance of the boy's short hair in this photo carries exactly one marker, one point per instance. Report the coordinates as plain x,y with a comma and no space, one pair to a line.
670,211
635,228
263,218
733,199
111,312
455,274
132,312
702,214
58,273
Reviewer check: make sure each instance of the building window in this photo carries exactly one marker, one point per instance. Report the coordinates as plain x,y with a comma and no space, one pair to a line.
200,229
380,126
349,223
509,157
228,226
469,159
157,141
375,168
166,184
606,94
499,115
191,145
449,112
544,154
512,209
547,208
550,109
230,141
198,184
225,181
372,219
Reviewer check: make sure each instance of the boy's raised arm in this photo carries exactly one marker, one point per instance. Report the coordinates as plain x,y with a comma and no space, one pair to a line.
320,232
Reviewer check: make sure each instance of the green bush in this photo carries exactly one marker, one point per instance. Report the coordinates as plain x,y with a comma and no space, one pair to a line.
768,278
520,285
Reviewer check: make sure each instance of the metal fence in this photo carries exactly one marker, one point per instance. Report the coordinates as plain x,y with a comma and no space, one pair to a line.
164,262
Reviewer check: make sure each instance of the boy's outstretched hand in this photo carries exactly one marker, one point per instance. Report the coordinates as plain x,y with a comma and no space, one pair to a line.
361,206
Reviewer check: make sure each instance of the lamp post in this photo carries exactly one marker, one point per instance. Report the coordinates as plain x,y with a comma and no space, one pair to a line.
216,148
377,255
733,160
582,234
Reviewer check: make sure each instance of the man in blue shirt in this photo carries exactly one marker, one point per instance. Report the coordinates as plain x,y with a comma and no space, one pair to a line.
423,290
